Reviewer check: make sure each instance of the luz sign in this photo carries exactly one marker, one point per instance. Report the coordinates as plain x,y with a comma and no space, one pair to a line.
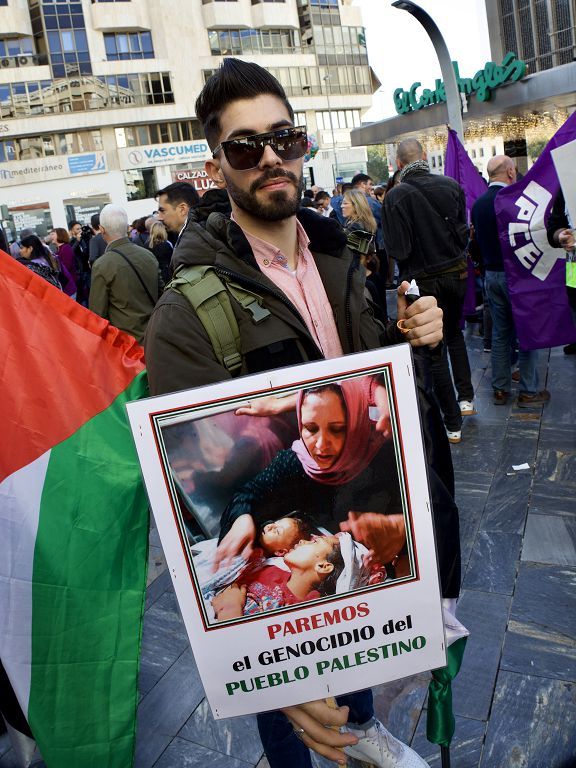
320,599
481,84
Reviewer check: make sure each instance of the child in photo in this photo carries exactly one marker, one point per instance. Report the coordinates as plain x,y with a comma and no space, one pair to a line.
314,565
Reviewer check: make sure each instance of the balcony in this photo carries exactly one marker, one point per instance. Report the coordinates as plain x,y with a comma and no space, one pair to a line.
16,18
268,15
129,17
227,14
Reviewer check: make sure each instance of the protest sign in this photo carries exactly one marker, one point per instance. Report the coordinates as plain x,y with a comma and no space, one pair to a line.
314,480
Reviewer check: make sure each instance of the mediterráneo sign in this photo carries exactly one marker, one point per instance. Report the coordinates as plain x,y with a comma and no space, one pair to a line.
482,84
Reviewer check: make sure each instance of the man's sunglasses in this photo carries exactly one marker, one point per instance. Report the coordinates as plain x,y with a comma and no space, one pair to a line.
246,153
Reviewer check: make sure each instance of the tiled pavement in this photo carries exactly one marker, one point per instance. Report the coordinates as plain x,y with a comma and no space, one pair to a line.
515,697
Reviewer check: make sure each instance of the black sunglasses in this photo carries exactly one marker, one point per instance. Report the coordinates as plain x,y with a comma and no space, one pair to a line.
245,153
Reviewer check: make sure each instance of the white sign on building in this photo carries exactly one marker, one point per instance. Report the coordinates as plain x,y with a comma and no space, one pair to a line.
164,154
49,168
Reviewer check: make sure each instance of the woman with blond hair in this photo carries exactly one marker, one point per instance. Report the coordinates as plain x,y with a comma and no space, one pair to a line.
162,248
360,227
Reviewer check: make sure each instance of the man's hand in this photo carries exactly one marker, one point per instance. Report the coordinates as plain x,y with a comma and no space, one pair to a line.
383,535
422,320
315,720
566,239
229,604
238,541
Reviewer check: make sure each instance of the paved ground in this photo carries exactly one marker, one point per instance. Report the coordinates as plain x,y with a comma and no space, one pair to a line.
515,698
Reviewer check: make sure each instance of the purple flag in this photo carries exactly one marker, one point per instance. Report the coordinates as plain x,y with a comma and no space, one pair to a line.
535,272
458,165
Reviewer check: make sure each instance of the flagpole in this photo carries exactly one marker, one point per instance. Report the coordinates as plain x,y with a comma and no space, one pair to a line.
445,756
453,101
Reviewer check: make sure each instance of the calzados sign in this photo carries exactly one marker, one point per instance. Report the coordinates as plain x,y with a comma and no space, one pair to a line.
482,84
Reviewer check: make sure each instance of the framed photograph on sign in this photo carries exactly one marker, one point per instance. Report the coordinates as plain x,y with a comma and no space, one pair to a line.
294,514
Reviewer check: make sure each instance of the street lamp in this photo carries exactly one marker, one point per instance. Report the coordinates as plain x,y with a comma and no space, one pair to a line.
453,101
335,173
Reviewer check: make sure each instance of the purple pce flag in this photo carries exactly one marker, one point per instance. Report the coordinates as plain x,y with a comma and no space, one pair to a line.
535,272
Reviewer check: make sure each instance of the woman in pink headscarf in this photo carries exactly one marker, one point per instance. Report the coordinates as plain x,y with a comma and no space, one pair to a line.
341,467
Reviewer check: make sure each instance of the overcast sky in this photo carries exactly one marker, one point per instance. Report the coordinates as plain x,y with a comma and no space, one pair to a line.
400,51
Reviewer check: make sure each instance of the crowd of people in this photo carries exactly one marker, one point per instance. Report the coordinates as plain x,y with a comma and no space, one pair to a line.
305,275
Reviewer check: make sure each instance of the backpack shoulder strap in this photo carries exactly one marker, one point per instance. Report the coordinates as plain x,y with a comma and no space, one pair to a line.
207,294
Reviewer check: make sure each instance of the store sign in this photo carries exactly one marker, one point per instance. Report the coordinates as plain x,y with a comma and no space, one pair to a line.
197,177
164,154
482,84
48,168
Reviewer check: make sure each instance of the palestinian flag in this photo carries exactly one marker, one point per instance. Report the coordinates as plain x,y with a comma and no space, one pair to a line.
73,523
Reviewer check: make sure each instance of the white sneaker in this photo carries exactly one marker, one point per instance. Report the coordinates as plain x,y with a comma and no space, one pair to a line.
467,408
454,436
378,747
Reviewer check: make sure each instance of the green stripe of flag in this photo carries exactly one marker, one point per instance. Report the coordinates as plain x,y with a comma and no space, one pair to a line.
89,582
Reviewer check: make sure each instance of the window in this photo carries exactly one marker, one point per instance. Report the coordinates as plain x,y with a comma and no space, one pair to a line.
433,162
139,135
85,93
121,46
49,145
493,151
246,41
140,183
481,151
16,46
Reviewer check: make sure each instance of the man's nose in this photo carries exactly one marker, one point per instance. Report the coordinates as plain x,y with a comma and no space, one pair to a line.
269,158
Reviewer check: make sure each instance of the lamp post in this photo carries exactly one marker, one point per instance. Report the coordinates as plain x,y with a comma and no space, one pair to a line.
335,171
453,101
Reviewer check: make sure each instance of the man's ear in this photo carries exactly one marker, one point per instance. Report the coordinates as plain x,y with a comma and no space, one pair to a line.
212,168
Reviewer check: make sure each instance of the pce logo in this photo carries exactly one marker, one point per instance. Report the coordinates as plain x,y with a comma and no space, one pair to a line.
535,253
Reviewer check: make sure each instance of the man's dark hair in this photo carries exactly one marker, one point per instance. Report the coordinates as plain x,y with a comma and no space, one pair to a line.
346,186
179,192
95,221
360,178
72,224
308,193
233,81
321,196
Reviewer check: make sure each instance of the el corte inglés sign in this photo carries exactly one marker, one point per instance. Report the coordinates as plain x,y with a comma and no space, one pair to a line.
482,84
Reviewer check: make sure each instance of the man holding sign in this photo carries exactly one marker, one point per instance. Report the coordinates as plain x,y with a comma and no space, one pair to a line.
303,300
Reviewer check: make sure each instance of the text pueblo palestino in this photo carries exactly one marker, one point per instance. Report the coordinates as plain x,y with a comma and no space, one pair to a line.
482,84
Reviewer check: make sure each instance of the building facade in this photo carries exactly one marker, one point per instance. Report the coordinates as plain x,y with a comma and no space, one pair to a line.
97,96
540,32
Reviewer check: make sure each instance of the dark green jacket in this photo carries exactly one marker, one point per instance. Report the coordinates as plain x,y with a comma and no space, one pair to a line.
117,295
179,354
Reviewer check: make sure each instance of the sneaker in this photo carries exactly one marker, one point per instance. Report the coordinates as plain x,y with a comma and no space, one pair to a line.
526,399
467,407
454,435
570,349
487,348
378,747
500,397
516,376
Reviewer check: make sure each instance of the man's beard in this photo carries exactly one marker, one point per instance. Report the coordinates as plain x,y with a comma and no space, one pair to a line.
280,205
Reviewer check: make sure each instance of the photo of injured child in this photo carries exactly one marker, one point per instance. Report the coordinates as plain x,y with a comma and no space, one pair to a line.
324,516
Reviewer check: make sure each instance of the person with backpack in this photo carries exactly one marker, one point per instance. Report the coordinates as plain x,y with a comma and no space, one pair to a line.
292,293
67,259
426,230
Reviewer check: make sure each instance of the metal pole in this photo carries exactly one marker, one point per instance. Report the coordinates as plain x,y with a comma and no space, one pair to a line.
335,172
453,101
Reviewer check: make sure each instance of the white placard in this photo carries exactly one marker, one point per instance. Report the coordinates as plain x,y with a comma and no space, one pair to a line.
564,158
324,619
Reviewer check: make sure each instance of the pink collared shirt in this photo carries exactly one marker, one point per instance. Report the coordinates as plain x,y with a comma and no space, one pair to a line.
303,287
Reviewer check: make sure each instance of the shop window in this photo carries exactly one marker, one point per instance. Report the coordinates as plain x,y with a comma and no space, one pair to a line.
140,183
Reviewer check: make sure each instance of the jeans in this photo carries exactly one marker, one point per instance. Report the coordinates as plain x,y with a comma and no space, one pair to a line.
285,750
450,291
503,334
